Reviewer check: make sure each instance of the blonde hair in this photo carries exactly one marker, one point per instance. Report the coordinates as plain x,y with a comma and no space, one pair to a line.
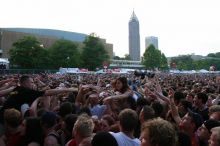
216,130
84,125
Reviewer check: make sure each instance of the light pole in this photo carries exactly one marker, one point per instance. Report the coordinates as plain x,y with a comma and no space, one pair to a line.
68,58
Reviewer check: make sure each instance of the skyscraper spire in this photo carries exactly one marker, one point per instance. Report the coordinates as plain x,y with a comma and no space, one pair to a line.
133,17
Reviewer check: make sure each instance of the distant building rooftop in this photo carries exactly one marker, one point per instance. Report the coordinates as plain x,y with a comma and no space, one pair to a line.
72,36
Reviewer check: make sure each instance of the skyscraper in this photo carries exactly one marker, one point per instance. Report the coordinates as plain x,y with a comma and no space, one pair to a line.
151,40
134,38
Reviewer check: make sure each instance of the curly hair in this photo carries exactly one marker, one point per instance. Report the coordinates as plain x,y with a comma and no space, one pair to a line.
161,132
84,125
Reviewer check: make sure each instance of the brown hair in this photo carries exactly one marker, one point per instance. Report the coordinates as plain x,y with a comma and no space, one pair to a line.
124,82
12,117
161,132
128,120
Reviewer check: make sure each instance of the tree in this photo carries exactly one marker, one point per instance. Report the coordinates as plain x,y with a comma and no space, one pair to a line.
116,58
64,53
152,58
215,55
28,53
164,63
127,57
93,53
183,62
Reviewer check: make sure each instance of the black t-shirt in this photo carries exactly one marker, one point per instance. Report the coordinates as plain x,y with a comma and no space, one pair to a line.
204,113
18,97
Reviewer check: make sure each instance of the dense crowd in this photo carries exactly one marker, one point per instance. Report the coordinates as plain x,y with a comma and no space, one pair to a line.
110,109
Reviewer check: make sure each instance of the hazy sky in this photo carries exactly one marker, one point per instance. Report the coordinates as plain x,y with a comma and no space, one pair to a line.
182,26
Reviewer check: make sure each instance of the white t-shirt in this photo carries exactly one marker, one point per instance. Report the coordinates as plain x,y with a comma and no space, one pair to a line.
124,140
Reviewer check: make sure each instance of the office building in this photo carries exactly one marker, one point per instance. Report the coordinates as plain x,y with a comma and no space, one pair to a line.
134,38
151,40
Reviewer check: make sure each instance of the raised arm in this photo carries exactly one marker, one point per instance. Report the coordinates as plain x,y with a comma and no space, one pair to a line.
173,107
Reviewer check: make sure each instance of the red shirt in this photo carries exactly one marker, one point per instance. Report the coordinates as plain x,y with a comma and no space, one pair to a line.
13,139
194,140
72,143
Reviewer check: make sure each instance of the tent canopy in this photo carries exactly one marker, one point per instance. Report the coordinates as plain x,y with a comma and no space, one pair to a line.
4,61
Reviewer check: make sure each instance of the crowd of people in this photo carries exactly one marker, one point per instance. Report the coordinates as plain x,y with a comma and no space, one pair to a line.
110,109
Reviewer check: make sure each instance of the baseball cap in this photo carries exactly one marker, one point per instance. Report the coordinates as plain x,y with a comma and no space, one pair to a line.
209,124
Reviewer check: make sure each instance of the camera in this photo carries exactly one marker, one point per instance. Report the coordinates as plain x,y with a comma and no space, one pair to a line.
143,74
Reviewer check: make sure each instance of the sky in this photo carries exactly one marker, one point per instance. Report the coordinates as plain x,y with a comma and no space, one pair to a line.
182,26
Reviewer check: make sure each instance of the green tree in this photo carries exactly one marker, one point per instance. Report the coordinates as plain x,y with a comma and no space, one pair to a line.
183,62
127,57
93,53
28,53
64,53
215,55
164,63
116,58
152,58
211,55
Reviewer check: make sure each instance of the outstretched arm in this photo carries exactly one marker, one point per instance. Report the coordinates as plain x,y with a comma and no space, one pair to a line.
59,91
6,91
120,96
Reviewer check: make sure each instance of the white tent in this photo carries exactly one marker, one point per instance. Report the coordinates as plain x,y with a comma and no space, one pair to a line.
203,71
4,61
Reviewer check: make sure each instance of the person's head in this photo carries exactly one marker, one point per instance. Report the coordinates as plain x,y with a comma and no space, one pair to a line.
104,139
49,120
121,84
200,99
158,132
215,137
210,98
94,99
214,108
177,97
183,107
204,131
32,130
69,122
215,116
128,120
191,122
12,118
141,101
110,120
83,127
106,122
65,109
158,108
27,82
190,97
146,113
